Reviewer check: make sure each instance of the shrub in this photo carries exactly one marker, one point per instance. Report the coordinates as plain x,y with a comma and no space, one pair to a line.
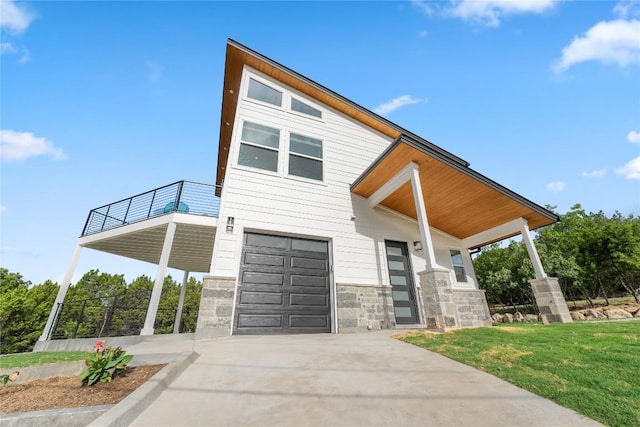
103,364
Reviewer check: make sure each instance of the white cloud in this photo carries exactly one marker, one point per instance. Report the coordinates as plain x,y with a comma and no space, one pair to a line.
616,42
3,209
631,170
556,187
633,137
627,8
22,145
594,174
14,18
490,12
423,7
390,106
6,47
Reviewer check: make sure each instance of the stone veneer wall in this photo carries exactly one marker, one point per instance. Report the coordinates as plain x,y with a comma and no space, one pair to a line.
364,307
551,303
216,306
473,310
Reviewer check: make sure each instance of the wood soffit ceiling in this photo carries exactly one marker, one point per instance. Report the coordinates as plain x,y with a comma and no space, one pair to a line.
458,200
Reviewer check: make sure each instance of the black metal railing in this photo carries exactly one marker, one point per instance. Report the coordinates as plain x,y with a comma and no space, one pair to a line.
183,196
113,316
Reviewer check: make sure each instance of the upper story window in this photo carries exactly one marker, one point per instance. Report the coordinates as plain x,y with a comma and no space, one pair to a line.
303,108
259,146
305,156
264,93
458,265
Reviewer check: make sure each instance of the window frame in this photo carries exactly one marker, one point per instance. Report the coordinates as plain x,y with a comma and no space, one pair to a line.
278,150
307,103
290,153
246,97
461,265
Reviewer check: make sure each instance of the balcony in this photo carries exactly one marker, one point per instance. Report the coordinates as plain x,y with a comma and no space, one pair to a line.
136,227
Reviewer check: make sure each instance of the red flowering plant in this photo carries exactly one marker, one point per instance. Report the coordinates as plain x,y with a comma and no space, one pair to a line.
103,364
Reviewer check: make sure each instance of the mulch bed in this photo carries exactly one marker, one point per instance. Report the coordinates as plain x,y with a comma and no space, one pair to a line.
68,392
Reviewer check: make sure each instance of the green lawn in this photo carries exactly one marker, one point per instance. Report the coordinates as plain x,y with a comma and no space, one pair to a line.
592,368
24,360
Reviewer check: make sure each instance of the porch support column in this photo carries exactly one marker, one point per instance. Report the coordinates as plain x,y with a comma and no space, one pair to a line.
423,223
154,301
62,292
533,253
546,290
176,323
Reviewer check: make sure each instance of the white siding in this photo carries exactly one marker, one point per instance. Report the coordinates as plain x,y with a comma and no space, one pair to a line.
275,203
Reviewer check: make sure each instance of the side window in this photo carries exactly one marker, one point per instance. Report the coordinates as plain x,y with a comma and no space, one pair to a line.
264,93
458,265
259,146
303,108
305,157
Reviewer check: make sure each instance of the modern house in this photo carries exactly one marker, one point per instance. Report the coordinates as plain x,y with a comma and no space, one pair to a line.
330,218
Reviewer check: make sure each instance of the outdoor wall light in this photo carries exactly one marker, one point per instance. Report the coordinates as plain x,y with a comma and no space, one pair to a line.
230,221
417,245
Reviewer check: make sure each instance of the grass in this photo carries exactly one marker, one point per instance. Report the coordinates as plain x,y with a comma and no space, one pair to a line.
24,360
592,368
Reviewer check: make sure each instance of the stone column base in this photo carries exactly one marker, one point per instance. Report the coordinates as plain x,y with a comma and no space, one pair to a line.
437,296
551,303
364,308
473,310
216,307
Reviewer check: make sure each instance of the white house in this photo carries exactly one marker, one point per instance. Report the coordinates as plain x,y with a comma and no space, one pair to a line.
331,219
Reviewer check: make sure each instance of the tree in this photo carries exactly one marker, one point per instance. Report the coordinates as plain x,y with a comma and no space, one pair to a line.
24,309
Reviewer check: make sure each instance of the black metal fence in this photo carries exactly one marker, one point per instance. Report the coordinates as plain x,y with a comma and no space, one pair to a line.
182,196
113,316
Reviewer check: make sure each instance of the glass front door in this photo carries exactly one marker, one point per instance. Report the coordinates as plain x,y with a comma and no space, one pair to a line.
401,279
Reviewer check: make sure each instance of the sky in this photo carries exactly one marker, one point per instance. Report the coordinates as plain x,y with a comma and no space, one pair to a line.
100,100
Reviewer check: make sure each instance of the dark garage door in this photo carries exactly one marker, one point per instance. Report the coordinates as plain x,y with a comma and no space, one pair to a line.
284,286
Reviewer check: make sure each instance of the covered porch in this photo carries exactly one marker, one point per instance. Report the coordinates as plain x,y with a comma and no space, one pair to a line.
171,226
419,180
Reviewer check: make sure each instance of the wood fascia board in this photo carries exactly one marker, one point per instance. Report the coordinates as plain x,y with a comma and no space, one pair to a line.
500,232
392,184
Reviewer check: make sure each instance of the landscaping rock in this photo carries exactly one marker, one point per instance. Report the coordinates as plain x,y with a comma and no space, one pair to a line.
576,315
592,314
616,313
498,318
508,318
530,318
518,317
637,315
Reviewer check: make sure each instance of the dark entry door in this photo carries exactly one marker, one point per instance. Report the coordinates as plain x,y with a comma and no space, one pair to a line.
283,286
401,279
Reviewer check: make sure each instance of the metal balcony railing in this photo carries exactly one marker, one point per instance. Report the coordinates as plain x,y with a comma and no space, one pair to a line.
183,196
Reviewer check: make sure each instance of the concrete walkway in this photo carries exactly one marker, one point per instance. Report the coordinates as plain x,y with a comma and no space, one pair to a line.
365,379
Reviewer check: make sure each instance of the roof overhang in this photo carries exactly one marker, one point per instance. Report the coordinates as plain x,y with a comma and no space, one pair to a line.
239,56
459,201
191,250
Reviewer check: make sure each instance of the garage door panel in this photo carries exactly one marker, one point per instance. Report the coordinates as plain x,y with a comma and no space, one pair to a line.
260,278
261,298
307,281
319,300
257,320
310,263
309,321
263,259
266,241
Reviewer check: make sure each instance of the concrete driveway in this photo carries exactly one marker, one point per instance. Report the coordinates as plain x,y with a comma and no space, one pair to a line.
365,379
